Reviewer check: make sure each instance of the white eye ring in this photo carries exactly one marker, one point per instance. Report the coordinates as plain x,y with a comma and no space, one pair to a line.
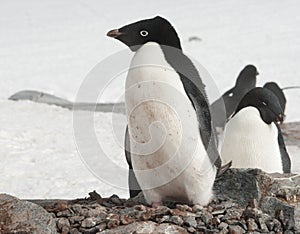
144,33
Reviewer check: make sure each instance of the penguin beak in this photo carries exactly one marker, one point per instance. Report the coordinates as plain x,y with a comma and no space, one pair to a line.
280,118
114,33
257,73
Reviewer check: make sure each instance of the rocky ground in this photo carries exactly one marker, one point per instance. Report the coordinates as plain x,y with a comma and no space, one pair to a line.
246,201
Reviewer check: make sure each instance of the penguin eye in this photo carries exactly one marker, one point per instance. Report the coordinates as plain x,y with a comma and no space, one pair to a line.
144,33
265,104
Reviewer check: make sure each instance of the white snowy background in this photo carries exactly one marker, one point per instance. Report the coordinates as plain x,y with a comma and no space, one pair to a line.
51,45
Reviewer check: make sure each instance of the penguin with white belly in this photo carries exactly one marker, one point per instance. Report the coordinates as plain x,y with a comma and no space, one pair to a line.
253,138
170,142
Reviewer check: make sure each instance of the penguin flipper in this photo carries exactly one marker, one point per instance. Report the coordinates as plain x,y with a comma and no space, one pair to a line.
134,187
206,126
286,161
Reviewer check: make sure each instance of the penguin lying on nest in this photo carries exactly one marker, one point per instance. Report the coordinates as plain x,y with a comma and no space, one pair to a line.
230,99
171,148
253,138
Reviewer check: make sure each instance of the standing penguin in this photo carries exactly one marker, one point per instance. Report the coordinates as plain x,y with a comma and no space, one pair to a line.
172,148
253,137
230,99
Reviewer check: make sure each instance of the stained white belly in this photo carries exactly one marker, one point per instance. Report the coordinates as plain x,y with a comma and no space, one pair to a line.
168,156
251,143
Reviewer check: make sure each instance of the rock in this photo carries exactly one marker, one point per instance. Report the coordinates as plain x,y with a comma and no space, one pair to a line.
184,207
235,229
62,222
75,231
88,223
262,220
64,213
215,221
177,220
197,208
191,229
205,216
146,227
223,225
251,225
169,229
46,98
115,199
161,211
241,185
77,209
277,226
290,213
190,221
76,219
232,214
18,216
126,219
65,230
113,221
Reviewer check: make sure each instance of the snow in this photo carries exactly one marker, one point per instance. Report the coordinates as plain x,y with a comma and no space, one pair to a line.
52,45
39,158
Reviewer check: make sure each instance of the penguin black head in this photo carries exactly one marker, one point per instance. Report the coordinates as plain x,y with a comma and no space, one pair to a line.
157,30
247,75
274,87
266,102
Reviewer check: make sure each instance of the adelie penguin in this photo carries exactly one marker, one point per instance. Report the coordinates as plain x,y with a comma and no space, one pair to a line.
230,99
170,140
253,138
279,92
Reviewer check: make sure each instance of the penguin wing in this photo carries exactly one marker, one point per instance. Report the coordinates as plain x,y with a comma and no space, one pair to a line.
134,187
195,89
285,158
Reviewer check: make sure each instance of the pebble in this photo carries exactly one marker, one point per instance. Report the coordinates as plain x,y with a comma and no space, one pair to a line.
176,220
65,230
190,221
221,216
236,230
184,207
252,226
88,223
62,222
197,208
223,225
76,219
75,231
205,216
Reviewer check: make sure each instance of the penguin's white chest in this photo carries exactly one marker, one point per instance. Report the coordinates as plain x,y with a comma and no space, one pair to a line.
168,156
251,143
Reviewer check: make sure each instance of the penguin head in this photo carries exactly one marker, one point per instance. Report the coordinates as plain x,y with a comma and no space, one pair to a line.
266,102
156,29
247,76
274,87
